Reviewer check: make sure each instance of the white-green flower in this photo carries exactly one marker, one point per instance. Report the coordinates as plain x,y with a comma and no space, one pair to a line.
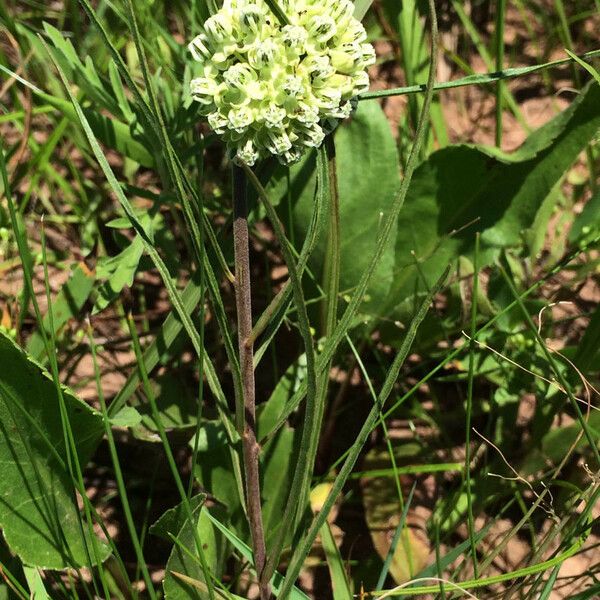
269,89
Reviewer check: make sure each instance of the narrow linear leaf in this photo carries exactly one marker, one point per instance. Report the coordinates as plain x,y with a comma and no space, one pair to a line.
111,132
477,79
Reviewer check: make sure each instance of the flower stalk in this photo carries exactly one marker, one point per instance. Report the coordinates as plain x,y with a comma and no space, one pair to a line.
243,299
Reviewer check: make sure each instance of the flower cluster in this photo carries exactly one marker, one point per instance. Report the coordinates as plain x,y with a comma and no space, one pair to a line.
273,89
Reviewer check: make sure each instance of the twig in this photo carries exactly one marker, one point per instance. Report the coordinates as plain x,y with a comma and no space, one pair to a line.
243,300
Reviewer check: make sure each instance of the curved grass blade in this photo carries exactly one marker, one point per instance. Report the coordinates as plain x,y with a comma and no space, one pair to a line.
479,79
372,419
149,247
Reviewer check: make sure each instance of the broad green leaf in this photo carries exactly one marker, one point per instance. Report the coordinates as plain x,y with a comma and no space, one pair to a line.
36,584
587,223
462,190
557,442
118,271
67,305
38,513
183,560
176,403
126,417
171,522
367,164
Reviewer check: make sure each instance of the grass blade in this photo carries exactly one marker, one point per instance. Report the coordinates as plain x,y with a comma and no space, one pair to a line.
390,556
340,583
172,291
372,419
478,79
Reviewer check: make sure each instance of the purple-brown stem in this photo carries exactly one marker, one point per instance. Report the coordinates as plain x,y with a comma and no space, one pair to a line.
243,299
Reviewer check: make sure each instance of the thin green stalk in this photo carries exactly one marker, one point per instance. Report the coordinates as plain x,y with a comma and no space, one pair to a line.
73,462
13,583
182,187
408,31
469,411
76,476
303,549
489,62
156,417
331,271
305,544
390,449
394,470
154,255
557,268
174,296
390,555
165,337
567,39
197,232
501,545
331,286
273,315
438,564
122,488
194,225
500,20
478,79
549,585
144,525
200,405
150,119
471,584
565,33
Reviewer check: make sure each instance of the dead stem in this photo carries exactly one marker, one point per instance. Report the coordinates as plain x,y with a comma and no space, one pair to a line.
243,298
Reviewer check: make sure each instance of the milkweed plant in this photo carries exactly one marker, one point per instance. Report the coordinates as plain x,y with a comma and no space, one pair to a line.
273,89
